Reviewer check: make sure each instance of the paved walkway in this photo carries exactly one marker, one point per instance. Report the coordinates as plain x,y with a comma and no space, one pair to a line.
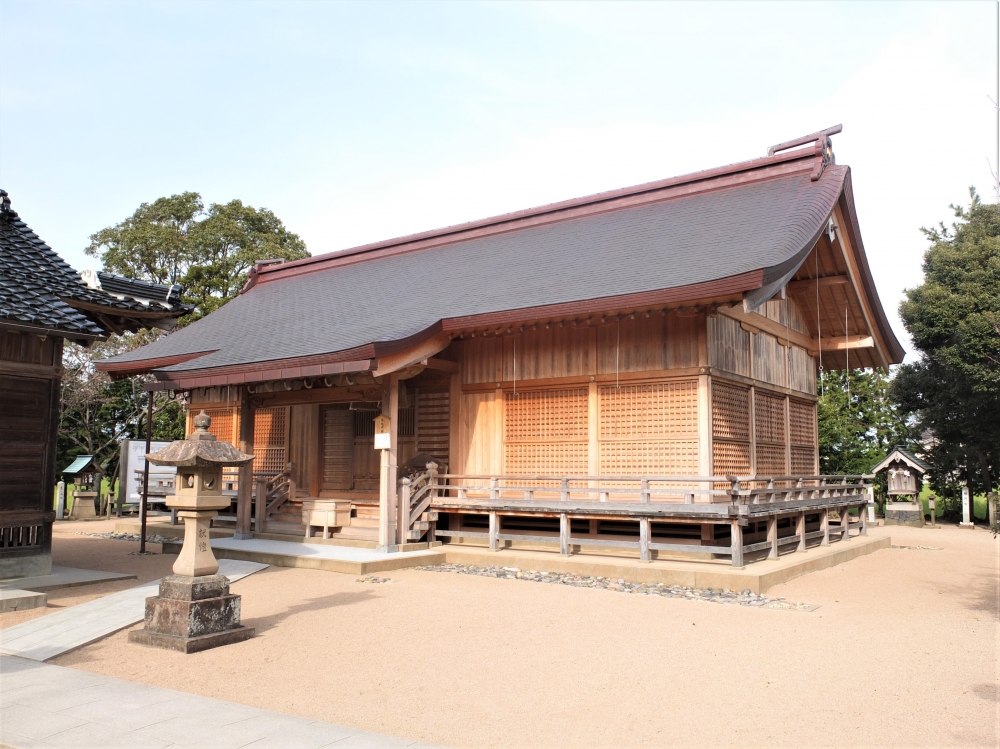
57,633
44,707
62,577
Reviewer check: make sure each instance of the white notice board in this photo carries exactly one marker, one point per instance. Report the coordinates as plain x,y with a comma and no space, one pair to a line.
133,457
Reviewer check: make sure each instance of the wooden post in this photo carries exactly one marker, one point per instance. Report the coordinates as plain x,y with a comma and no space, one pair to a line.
244,486
824,525
432,481
772,536
145,474
564,490
863,531
404,508
644,540
260,490
400,533
800,531
494,531
564,534
845,523
737,542
644,491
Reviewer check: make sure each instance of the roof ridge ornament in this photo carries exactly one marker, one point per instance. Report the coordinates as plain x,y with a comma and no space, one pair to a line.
823,147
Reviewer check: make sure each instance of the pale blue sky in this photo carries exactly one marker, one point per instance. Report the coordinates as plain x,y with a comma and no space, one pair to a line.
359,122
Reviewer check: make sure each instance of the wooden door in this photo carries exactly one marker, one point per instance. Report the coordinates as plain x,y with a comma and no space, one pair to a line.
338,449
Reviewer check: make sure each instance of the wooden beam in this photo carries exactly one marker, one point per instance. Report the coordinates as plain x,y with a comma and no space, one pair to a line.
808,285
413,355
842,343
319,395
756,322
442,365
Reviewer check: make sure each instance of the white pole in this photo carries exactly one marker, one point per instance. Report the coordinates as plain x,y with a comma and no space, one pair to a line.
60,500
871,504
966,509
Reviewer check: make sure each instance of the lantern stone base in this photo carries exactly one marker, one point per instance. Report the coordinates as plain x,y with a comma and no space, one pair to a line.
192,614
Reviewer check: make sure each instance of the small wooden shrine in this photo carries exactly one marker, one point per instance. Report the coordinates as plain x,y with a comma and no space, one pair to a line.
905,472
86,474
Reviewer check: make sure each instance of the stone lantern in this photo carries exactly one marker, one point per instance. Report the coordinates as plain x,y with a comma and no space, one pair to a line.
195,610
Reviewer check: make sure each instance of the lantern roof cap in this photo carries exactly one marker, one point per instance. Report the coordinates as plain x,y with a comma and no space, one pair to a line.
201,448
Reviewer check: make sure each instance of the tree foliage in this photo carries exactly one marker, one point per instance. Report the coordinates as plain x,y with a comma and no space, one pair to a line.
96,413
858,423
953,318
175,240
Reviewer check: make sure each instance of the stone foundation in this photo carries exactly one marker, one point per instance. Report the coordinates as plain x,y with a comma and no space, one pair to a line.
192,614
905,513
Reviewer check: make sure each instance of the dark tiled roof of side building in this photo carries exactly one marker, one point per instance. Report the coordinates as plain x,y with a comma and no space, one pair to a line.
40,291
740,229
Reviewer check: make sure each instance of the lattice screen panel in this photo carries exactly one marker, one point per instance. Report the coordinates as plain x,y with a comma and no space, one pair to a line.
802,422
559,415
804,461
224,423
769,418
730,412
564,458
545,432
730,459
270,439
433,425
771,460
660,458
667,409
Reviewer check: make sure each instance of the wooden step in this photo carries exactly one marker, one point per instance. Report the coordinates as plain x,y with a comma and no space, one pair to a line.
356,532
364,522
288,529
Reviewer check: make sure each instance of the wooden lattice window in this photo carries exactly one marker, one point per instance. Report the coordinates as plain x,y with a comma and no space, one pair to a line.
730,458
224,423
664,409
434,425
802,421
659,458
771,460
649,429
730,412
769,418
270,439
804,461
545,432
546,415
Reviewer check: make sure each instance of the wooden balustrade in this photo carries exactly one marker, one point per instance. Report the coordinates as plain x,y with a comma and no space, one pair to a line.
748,499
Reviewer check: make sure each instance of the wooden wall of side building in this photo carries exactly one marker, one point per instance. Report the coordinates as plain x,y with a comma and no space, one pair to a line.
30,371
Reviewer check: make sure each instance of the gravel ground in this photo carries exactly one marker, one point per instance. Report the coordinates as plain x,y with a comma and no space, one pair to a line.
155,538
710,595
902,652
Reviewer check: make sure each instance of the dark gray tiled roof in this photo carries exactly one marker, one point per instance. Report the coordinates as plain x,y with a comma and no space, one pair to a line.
694,238
38,288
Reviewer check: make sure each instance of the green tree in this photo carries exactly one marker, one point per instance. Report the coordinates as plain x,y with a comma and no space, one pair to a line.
175,240
96,413
953,318
858,423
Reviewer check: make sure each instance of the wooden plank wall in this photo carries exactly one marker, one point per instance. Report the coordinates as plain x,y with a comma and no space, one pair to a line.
762,356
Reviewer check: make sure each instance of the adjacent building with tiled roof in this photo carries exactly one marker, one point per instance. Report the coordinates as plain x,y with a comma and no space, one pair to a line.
43,301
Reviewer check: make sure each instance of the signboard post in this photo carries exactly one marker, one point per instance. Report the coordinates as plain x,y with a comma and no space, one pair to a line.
60,500
966,509
383,443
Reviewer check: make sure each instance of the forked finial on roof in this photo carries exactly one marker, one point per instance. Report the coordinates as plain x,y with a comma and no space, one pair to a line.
824,148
